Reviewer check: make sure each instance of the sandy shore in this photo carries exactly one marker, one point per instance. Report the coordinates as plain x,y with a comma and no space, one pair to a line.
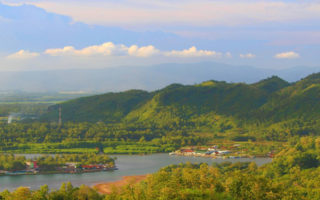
106,188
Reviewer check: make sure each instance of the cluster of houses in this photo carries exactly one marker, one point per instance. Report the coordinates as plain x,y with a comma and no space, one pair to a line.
212,152
77,168
32,167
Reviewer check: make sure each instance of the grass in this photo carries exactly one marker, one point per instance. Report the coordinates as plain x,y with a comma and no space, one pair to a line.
60,148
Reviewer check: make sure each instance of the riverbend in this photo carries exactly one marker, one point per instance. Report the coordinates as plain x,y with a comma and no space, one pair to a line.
127,165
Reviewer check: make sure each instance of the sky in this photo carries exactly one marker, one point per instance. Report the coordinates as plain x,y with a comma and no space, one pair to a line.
69,34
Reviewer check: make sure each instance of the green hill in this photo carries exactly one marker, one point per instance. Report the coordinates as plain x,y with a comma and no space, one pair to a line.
136,121
110,107
271,84
270,99
301,99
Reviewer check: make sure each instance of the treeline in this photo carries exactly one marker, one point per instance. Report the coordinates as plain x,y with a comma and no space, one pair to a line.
145,122
145,137
83,137
48,162
66,192
10,162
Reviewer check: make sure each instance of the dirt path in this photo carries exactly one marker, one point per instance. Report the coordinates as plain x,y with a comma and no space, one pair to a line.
106,188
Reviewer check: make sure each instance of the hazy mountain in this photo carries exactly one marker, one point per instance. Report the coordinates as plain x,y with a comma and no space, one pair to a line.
140,77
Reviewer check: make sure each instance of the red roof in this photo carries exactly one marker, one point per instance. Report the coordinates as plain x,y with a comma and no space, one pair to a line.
187,150
91,166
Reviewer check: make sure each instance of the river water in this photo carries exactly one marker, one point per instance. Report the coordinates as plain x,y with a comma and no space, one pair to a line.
127,164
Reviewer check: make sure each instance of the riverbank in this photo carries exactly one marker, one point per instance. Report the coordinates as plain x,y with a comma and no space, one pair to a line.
55,172
228,150
108,187
128,165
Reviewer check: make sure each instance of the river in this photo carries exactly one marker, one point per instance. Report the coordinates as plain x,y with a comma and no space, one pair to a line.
127,164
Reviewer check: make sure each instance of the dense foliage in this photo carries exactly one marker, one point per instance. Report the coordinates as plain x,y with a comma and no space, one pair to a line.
254,103
52,162
66,192
293,174
86,137
10,162
109,107
161,121
264,115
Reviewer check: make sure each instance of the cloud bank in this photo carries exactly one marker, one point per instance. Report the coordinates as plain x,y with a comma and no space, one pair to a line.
111,49
190,12
163,32
23,54
193,52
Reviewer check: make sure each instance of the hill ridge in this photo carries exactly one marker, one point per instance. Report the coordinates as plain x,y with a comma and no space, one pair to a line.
262,100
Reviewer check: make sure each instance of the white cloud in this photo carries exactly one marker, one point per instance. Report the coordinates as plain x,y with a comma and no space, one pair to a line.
68,50
111,49
146,51
105,49
193,52
23,54
248,55
287,55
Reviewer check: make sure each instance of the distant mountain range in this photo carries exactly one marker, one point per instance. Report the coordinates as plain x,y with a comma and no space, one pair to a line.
272,99
140,77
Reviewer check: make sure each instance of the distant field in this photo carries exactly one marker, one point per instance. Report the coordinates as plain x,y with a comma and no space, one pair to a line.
9,98
30,105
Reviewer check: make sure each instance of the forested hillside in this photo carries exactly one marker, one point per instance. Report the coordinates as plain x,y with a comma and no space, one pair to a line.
111,107
272,99
299,100
178,115
293,174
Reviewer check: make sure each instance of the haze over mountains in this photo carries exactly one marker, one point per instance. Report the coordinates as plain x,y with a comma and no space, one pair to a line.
140,77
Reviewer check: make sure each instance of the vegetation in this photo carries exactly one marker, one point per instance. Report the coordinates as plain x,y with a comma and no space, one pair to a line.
250,103
161,121
266,116
66,192
86,137
26,106
293,174
109,107
9,162
81,159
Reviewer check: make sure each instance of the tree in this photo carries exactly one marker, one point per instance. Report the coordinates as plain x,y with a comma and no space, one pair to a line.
22,193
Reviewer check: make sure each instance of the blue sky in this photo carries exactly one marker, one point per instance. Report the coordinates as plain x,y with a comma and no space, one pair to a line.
56,34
